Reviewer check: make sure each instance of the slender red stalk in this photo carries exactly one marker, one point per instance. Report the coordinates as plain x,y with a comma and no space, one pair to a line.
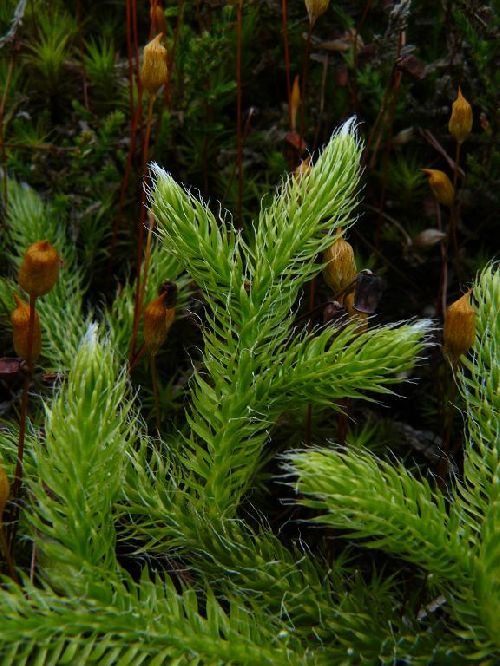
135,40
171,59
140,232
147,260
125,181
136,358
305,73
239,137
130,64
286,51
135,118
18,475
454,212
23,416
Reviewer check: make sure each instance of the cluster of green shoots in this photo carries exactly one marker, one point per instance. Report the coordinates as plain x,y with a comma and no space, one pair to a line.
98,484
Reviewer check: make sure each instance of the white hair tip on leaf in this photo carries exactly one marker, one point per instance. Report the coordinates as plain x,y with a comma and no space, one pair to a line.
91,335
349,126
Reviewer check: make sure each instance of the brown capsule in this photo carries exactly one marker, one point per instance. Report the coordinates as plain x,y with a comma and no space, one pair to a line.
157,321
39,269
441,186
154,72
361,318
20,319
459,328
460,123
368,292
4,492
340,270
315,8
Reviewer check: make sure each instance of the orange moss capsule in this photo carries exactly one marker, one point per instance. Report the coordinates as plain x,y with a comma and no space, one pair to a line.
315,8
341,268
4,492
159,315
460,123
39,269
154,68
441,186
459,328
20,319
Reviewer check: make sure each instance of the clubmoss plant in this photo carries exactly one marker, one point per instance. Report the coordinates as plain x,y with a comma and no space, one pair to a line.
227,591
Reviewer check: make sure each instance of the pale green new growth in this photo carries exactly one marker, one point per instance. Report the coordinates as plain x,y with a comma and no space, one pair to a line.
82,461
250,331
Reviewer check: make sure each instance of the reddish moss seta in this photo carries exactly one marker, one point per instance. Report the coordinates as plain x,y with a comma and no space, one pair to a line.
4,491
20,319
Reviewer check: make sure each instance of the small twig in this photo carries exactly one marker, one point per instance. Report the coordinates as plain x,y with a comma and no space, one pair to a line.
431,140
393,221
